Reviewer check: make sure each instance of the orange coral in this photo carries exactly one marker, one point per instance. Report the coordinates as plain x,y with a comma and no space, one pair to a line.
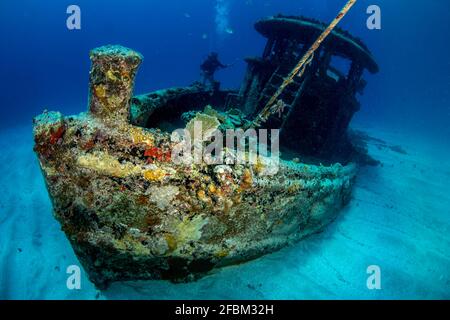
247,179
155,153
88,145
56,135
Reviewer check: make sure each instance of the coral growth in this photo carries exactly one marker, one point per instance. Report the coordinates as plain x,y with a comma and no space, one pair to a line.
105,164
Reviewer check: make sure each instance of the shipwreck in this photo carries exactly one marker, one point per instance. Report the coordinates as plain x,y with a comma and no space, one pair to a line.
131,213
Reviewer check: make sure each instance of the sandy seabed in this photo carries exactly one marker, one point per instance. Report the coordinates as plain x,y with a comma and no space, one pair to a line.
398,219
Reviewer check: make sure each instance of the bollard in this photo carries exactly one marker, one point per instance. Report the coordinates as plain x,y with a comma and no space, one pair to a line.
111,82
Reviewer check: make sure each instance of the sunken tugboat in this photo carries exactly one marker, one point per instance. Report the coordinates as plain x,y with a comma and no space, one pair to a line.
131,212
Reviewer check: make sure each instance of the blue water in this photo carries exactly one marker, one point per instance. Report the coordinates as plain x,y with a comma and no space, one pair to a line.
43,65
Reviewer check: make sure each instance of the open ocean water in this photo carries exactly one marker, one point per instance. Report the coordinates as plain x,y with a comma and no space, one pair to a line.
399,215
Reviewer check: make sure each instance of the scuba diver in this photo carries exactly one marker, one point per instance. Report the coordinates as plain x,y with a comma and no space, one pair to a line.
209,67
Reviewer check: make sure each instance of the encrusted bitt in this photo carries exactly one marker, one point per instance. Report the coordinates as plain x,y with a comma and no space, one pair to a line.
132,213
111,82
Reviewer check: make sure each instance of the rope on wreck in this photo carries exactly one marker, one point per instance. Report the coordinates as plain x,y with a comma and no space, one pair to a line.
271,106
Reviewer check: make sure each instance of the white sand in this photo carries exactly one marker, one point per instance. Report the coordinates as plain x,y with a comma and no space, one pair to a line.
399,219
